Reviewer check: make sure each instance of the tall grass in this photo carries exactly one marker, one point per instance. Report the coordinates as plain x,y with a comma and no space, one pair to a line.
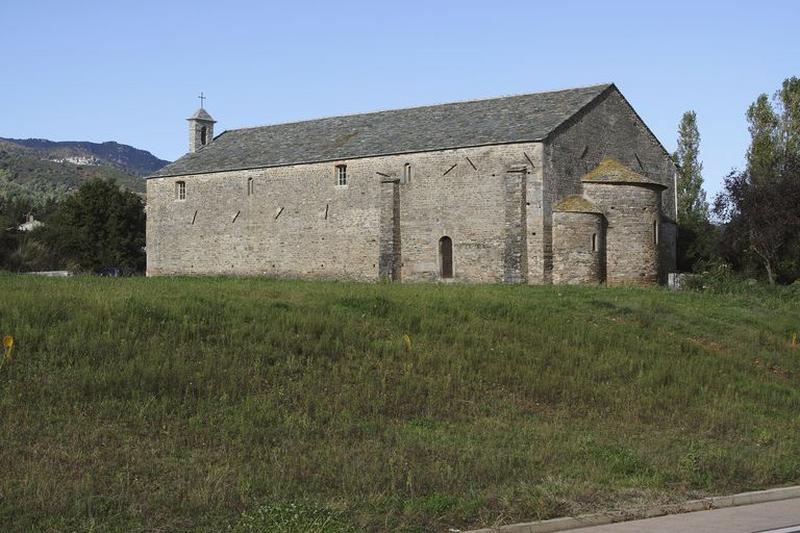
175,404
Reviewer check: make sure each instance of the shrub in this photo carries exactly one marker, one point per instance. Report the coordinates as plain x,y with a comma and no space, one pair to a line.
713,276
293,518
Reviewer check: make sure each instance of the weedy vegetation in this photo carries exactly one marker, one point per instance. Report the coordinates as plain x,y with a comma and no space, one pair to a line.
210,404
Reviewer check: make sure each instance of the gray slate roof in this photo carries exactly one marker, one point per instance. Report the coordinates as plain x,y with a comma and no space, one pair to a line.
201,114
529,117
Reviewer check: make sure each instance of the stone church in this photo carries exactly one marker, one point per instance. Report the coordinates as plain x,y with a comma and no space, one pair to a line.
567,186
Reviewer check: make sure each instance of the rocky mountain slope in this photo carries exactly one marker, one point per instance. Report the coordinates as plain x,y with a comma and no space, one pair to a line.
40,170
124,157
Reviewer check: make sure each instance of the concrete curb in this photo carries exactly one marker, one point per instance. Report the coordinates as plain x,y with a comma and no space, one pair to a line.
599,519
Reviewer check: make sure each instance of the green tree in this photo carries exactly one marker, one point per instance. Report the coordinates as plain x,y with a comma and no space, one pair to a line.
100,225
759,205
8,235
763,221
692,203
789,98
13,212
696,235
764,151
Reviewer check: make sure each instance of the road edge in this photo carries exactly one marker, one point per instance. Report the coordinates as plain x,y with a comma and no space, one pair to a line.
599,519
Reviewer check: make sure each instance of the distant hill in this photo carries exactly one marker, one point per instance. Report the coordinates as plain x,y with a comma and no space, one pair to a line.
40,170
126,158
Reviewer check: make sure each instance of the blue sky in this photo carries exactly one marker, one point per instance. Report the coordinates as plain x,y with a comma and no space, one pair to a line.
130,71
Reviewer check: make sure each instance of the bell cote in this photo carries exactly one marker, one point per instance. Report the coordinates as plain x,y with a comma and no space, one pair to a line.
201,129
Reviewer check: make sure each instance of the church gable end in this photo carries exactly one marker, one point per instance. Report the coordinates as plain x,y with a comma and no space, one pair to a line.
606,128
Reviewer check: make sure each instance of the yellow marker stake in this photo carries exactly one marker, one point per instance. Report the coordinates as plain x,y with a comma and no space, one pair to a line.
407,343
794,339
8,344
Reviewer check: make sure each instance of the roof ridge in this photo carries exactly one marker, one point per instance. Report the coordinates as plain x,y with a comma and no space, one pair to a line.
529,117
423,106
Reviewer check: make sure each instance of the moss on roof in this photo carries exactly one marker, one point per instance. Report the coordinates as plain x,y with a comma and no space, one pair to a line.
612,171
576,204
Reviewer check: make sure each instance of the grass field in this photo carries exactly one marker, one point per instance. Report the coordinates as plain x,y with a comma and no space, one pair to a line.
203,404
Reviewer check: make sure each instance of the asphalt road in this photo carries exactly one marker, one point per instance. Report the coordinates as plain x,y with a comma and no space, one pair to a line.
770,517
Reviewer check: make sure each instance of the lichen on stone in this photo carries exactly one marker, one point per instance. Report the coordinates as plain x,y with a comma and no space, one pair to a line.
612,171
576,204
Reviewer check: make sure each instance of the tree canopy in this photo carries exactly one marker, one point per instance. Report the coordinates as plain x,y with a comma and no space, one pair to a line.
100,225
692,204
695,233
759,205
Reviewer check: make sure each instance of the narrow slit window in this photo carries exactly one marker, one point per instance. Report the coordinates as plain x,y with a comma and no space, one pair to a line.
341,175
594,242
407,173
655,232
180,190
249,186
446,257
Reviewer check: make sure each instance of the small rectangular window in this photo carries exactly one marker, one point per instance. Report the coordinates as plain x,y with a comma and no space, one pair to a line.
249,186
180,190
341,175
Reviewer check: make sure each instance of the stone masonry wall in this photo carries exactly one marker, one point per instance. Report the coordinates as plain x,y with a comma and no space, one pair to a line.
515,251
389,238
608,128
462,194
668,238
195,127
575,260
633,213
299,223
296,223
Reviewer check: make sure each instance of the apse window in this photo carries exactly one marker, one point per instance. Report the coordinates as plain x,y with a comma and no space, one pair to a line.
341,175
180,190
594,242
655,232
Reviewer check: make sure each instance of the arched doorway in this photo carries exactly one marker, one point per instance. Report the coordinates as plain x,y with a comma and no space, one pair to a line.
446,257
